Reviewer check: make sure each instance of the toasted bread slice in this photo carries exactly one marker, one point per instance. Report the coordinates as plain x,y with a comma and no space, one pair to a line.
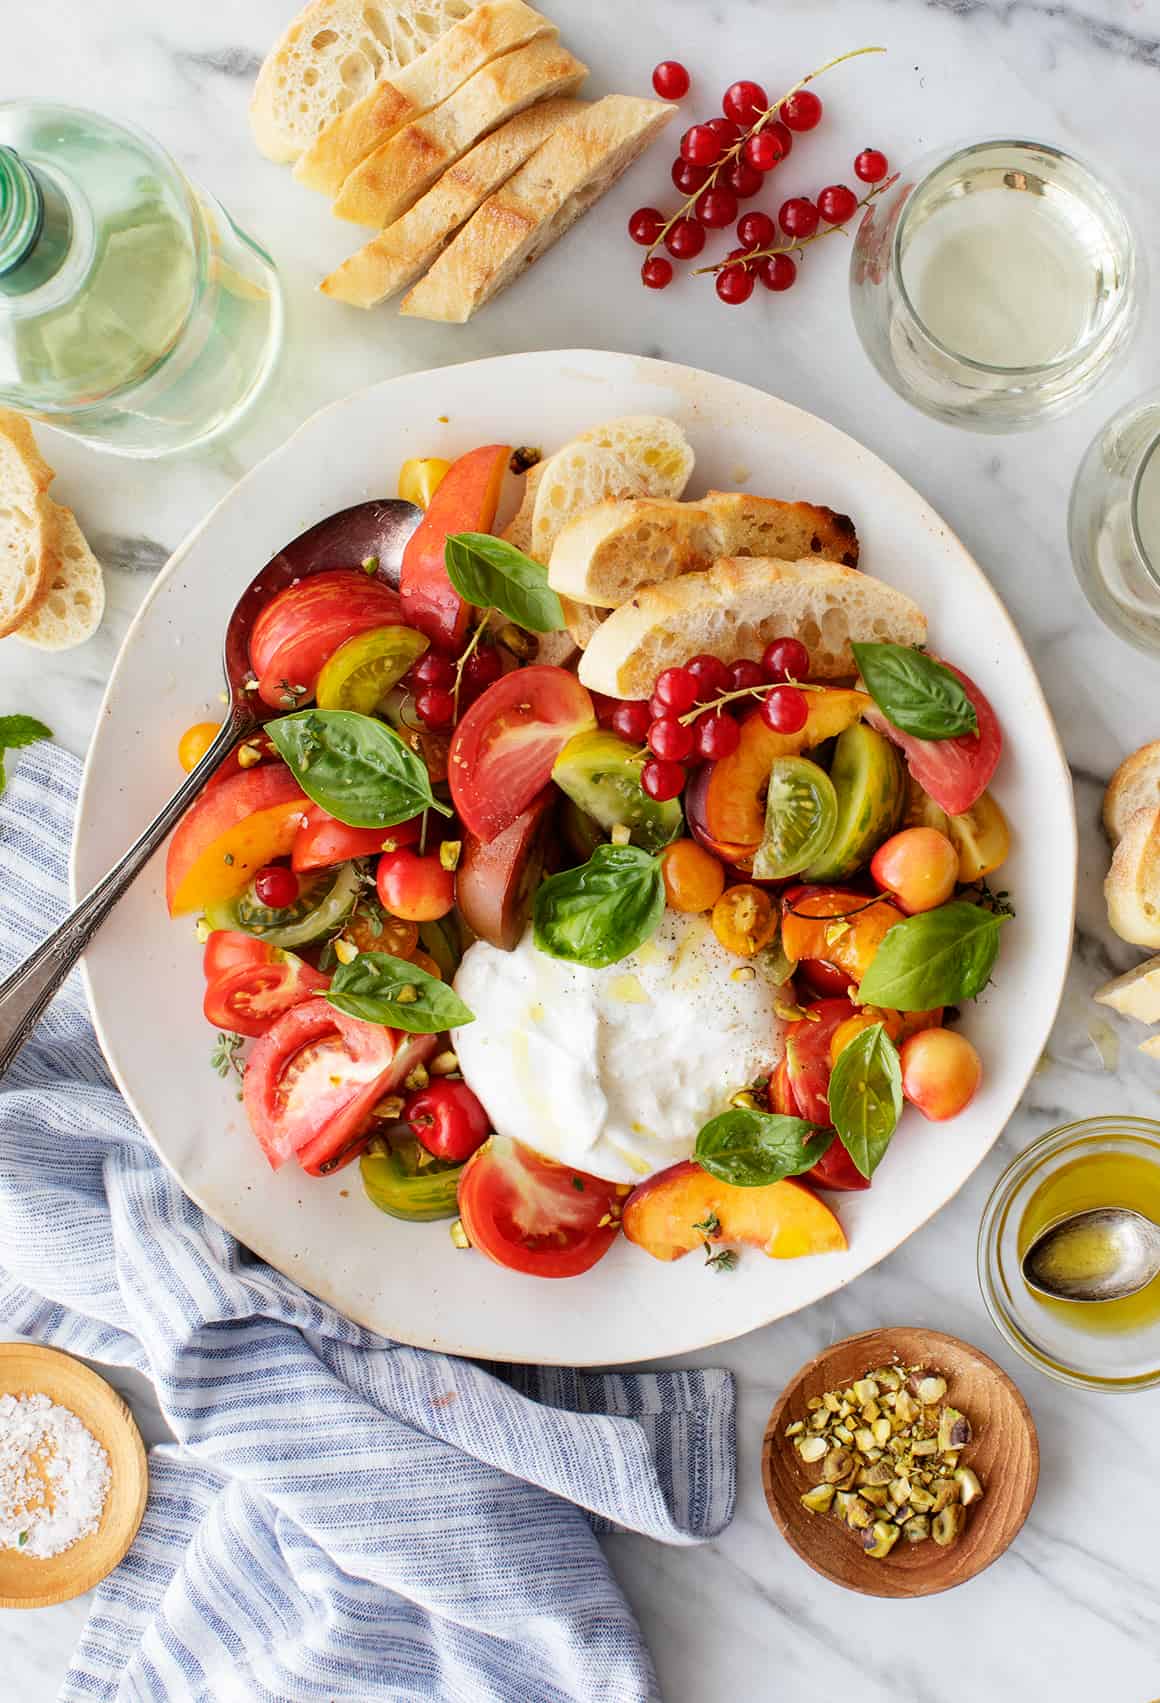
395,175
517,224
519,528
27,523
644,455
1135,994
734,610
73,604
1132,888
405,249
1134,786
614,548
330,56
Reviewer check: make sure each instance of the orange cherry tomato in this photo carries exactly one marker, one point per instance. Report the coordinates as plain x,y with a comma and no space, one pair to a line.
919,867
424,961
864,1019
694,880
377,933
195,742
416,888
835,924
941,1072
744,919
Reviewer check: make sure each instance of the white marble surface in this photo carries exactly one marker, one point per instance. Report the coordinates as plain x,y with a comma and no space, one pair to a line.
1073,1610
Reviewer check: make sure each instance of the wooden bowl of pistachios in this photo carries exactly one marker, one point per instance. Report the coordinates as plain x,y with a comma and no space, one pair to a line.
900,1462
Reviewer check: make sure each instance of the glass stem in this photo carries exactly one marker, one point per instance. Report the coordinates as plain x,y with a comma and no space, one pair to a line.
35,226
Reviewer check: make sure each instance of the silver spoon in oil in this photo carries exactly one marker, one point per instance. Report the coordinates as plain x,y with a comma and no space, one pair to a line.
1104,1254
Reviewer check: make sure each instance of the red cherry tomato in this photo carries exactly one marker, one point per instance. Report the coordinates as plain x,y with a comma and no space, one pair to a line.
416,888
532,1215
465,501
229,949
807,1051
249,998
447,1119
955,772
322,841
504,748
301,628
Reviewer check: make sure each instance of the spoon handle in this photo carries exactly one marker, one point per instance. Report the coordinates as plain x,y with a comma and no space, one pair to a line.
25,993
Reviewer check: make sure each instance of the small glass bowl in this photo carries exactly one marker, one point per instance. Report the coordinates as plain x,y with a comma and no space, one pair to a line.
1043,1331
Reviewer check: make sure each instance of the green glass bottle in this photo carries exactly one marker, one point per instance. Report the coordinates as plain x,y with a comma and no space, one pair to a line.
133,311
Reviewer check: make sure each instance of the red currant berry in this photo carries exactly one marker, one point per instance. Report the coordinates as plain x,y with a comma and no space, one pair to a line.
777,271
631,719
734,284
836,203
743,179
671,80
763,151
432,669
726,129
785,659
482,668
785,710
676,688
702,145
656,273
690,179
435,706
802,111
745,102
744,674
276,886
717,208
662,780
645,226
871,166
798,217
711,675
670,740
716,735
686,239
755,230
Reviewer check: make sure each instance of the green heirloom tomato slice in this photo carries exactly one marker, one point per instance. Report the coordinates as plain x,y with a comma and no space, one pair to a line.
324,901
362,672
600,773
399,1184
801,812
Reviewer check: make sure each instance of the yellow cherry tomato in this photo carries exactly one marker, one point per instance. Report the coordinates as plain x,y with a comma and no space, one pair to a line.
744,920
864,1019
195,742
694,880
420,478
981,837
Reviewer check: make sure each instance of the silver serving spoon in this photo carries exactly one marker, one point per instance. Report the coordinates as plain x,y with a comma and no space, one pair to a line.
349,539
1101,1255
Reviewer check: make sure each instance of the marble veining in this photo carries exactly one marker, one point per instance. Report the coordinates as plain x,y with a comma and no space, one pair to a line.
1072,1611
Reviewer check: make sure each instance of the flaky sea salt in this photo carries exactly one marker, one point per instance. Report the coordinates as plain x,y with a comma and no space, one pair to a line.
54,1476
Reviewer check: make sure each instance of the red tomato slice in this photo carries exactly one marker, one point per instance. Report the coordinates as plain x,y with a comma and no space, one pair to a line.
322,841
228,949
344,1137
532,1215
807,1051
504,748
230,831
823,978
955,772
249,998
465,501
299,630
836,1170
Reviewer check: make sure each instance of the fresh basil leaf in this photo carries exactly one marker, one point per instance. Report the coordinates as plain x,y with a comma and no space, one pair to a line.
751,1149
369,987
493,574
865,1096
914,692
355,767
599,913
936,958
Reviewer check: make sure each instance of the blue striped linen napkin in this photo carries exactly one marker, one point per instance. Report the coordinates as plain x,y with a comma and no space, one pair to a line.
341,1518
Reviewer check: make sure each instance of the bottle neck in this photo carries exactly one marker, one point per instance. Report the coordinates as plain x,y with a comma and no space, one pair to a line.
35,226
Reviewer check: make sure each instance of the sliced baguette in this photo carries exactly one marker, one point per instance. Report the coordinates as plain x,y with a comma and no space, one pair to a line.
613,549
1135,994
73,604
493,28
1132,888
643,455
517,224
405,249
397,173
27,523
330,56
734,610
519,529
1134,786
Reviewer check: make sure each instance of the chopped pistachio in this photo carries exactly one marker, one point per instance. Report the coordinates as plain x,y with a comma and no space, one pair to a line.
920,1499
865,1438
449,851
954,1429
837,1464
417,1078
916,1529
813,1404
865,1389
899,1490
391,1108
881,1432
870,1411
745,1101
859,1514
945,1493
874,1494
970,1489
925,1446
795,1430
521,644
948,1525
819,1420
880,1539
812,1448
459,1234
905,1407
832,1402
819,1498
843,1433
345,951
930,1390
881,1472
444,1064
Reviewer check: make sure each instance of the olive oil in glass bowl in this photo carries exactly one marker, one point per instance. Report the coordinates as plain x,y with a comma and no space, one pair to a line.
1099,1345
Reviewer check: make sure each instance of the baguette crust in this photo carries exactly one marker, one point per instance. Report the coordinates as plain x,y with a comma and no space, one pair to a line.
396,174
388,263
735,609
517,224
492,29
1132,888
73,603
27,523
1134,786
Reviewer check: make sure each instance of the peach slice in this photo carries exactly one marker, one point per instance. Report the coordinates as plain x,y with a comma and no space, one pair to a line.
228,833
784,1219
